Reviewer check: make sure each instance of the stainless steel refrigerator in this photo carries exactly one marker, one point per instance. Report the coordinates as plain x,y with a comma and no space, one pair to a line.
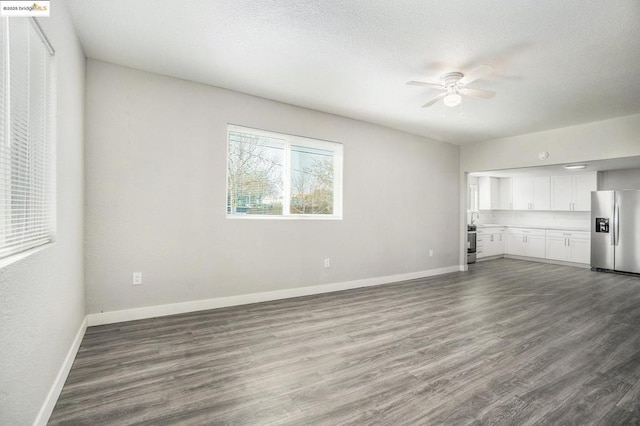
615,231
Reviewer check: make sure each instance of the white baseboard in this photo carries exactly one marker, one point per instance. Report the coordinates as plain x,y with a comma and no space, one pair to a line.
221,302
551,261
485,258
56,387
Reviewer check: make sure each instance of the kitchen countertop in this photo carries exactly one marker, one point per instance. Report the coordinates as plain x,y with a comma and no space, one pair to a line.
550,228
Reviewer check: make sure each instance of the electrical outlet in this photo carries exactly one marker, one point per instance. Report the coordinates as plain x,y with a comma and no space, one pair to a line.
431,253
137,278
327,262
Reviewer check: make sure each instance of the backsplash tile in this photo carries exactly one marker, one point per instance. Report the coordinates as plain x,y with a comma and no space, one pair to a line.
535,218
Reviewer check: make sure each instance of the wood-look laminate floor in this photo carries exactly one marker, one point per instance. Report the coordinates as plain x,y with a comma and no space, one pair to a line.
510,342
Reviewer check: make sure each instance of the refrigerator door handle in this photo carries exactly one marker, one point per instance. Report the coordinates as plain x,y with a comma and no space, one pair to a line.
615,235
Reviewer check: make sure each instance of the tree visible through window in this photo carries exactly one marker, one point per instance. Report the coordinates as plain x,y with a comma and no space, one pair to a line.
255,174
311,181
281,175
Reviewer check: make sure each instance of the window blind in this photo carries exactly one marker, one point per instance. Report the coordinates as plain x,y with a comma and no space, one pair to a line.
26,151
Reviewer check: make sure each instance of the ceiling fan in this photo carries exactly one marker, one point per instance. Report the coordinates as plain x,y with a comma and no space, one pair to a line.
455,84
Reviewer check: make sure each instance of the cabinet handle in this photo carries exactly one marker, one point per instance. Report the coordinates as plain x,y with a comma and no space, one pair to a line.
568,242
491,237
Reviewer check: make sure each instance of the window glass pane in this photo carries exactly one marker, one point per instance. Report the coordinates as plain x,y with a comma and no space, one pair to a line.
272,174
255,168
27,195
311,180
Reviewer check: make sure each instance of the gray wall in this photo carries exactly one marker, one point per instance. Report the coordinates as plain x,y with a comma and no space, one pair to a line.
615,138
42,296
619,179
156,179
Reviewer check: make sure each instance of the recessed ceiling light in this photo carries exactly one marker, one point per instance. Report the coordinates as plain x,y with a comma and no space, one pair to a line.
575,166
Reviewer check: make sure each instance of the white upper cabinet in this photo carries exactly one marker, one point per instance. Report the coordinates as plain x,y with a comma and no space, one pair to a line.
532,193
582,186
506,194
522,193
561,192
573,192
564,193
542,193
489,193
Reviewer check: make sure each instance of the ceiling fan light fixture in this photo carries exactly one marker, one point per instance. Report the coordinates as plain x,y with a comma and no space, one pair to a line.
452,100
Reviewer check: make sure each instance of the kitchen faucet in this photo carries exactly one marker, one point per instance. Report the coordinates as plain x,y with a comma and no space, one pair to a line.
473,221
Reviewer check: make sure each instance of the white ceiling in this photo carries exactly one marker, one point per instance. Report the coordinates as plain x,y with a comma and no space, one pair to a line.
557,62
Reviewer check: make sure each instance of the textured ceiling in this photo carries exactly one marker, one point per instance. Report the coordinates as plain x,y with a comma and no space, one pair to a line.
557,63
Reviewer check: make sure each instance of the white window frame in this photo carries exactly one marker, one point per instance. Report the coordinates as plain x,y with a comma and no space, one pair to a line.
292,140
41,176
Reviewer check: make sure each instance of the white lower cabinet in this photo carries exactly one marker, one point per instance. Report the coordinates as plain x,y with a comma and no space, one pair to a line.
569,246
514,244
525,242
580,251
490,242
556,248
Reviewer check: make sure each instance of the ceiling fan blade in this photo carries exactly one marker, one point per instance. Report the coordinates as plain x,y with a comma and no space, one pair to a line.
421,83
434,100
477,93
476,73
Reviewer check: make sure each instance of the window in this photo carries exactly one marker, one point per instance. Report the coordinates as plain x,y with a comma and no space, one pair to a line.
26,149
276,175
